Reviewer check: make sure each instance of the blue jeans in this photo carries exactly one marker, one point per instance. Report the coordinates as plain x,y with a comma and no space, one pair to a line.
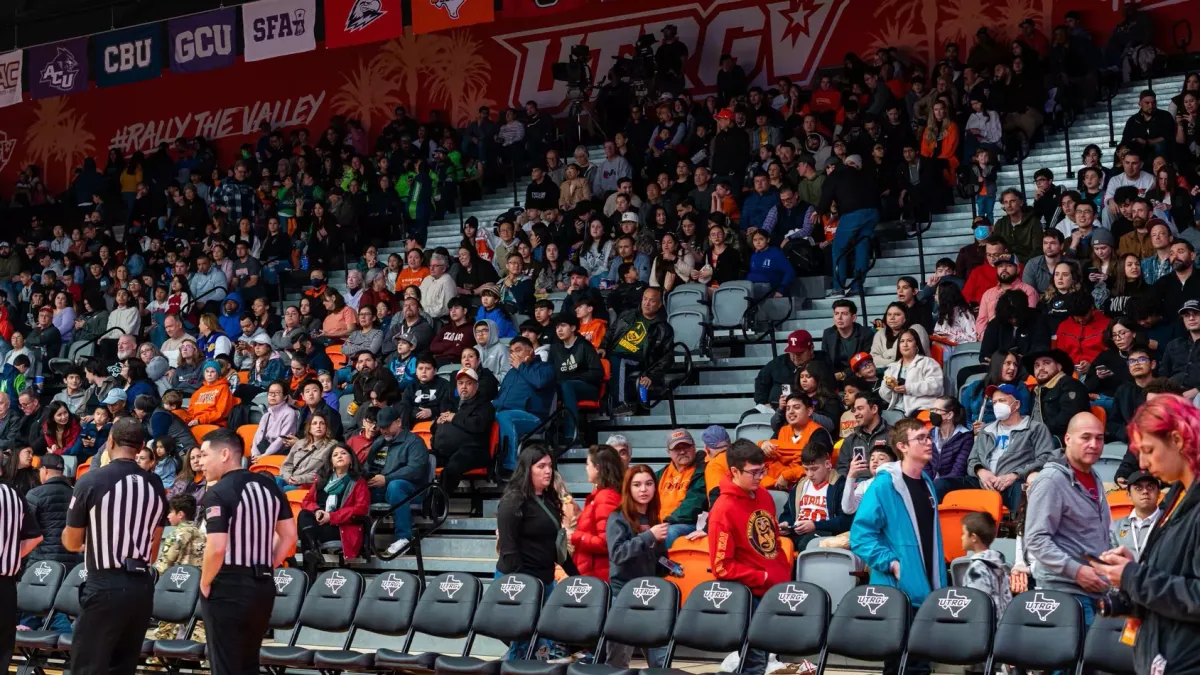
513,425
985,205
1105,401
857,227
676,531
572,391
397,491
272,269
517,650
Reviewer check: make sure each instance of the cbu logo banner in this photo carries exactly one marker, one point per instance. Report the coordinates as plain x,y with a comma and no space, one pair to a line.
202,41
128,55
278,27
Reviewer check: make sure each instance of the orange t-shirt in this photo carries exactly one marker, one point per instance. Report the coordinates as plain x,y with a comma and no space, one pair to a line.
715,471
594,331
409,277
673,488
786,462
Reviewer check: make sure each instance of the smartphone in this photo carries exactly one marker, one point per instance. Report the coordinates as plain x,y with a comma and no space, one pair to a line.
785,389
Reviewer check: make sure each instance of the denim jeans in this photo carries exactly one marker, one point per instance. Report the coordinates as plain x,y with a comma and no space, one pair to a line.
573,391
397,491
517,650
676,531
272,269
985,205
514,424
858,227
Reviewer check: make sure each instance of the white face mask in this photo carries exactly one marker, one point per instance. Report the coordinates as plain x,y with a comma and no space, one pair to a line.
1002,411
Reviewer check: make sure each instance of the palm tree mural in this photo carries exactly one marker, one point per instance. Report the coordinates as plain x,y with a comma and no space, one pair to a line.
458,68
471,101
962,19
1013,12
368,93
57,134
406,58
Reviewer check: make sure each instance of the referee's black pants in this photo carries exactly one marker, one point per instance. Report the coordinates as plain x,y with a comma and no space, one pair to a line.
108,633
236,614
8,626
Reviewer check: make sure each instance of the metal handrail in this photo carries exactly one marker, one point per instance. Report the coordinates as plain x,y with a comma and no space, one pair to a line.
543,425
670,387
414,545
187,309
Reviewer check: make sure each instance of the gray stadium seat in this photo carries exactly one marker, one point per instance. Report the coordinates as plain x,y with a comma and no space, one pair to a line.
686,324
344,402
965,354
1106,467
729,303
688,296
753,431
831,569
557,298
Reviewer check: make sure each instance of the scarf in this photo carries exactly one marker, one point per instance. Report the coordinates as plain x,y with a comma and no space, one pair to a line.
337,487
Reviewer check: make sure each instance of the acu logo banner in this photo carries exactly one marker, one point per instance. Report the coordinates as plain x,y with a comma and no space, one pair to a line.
128,55
355,22
202,41
58,68
278,28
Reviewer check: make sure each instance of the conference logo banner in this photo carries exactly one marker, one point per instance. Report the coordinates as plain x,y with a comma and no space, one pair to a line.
202,41
58,68
434,15
278,27
356,22
127,55
10,78
769,40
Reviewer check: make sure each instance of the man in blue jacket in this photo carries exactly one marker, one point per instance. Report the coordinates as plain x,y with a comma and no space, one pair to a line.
525,396
397,467
895,529
761,208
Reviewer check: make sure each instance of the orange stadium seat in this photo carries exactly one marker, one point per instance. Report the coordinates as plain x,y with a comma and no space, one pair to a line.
1119,504
1101,413
269,464
200,430
247,431
336,357
958,504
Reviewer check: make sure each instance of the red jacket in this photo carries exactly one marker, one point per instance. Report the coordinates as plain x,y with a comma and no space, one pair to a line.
355,505
589,539
1082,341
743,539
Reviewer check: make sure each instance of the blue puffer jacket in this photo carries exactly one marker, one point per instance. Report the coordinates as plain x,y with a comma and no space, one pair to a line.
885,531
530,387
756,208
771,266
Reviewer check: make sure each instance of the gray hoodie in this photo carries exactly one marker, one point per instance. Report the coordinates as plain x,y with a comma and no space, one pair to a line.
493,355
630,555
1063,524
76,402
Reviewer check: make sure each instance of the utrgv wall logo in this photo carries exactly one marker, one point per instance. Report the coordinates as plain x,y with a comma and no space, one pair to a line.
769,40
60,72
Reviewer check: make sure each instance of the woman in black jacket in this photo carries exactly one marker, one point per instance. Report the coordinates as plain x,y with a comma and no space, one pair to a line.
722,262
1161,589
529,518
1110,369
1168,197
1016,327
1067,280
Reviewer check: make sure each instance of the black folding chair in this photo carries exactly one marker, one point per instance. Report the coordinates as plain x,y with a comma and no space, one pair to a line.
871,624
1040,630
793,619
714,618
329,606
508,613
1103,650
386,608
955,626
574,615
643,615
445,610
176,600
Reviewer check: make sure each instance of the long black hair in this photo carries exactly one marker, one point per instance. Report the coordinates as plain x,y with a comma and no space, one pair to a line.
520,486
354,473
951,303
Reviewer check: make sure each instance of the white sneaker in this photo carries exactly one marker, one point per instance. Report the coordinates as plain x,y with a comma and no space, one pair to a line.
397,546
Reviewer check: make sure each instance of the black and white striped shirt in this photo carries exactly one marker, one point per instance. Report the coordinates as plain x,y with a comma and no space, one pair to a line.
120,506
246,506
17,524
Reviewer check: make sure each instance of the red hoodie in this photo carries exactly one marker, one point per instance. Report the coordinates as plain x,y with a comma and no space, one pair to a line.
1082,341
743,539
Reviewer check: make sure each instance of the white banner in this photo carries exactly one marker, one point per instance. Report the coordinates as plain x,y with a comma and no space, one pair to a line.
10,78
278,28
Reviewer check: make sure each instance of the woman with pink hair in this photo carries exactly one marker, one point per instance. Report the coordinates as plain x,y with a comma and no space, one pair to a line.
1161,593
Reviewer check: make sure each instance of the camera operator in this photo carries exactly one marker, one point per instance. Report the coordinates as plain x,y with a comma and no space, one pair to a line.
1160,593
1067,518
668,62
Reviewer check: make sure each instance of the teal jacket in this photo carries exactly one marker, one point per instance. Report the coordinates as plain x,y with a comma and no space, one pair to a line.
885,530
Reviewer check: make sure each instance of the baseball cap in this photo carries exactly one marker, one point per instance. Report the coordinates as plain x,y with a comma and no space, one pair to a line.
680,437
5,244
260,339
715,437
629,217
724,114
1007,259
1190,306
407,336
859,359
467,372
114,396
1010,389
53,462
1134,477
386,417
799,341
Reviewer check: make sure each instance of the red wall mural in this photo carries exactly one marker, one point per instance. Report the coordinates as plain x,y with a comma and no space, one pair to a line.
506,63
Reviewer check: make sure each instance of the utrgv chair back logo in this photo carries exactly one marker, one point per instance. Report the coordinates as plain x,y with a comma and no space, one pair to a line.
872,600
769,40
1042,606
954,602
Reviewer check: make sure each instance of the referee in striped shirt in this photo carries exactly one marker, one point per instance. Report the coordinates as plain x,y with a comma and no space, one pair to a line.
19,534
250,531
119,510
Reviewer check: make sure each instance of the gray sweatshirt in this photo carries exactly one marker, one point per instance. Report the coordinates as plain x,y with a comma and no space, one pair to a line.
1063,524
1029,447
630,555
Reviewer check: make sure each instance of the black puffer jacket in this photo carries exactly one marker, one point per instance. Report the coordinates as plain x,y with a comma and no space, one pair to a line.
49,502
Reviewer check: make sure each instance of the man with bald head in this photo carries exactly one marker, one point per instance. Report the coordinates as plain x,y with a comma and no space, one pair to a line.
1006,452
1067,519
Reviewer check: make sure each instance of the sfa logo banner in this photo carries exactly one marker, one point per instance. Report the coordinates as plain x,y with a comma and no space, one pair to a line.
58,68
202,41
129,55
278,28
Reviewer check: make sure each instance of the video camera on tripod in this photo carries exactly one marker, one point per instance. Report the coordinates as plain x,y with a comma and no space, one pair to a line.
638,70
576,72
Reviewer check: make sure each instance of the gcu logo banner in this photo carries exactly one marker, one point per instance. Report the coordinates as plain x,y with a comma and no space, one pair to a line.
278,28
129,55
202,41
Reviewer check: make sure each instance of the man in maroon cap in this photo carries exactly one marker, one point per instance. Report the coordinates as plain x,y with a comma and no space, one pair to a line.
779,376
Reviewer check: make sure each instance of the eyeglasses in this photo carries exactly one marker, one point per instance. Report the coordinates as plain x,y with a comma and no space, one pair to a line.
919,439
756,474
1138,360
1122,333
